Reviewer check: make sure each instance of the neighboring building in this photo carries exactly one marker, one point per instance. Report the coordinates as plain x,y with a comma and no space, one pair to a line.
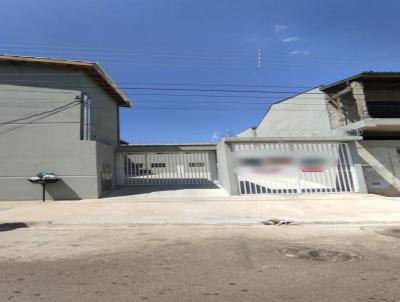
354,123
368,104
59,116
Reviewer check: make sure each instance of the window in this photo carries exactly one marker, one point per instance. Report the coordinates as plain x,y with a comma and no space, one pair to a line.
193,165
137,166
384,109
86,116
158,165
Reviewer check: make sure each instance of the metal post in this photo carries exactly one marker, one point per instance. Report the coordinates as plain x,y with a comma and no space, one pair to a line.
44,192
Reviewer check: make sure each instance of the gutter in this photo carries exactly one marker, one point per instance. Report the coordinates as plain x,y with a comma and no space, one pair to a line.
110,82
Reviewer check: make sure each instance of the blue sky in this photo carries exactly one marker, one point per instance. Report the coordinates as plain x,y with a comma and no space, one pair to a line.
155,43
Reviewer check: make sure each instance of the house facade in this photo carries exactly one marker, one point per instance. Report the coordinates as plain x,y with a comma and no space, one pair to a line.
62,116
58,116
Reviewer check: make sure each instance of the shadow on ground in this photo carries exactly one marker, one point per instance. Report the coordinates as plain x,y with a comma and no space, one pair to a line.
146,189
10,226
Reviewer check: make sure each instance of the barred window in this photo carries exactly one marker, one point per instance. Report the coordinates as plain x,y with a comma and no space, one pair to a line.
158,165
193,165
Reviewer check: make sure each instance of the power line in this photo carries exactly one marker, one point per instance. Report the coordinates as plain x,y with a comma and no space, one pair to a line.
44,104
170,108
294,93
211,85
67,106
215,109
158,60
214,90
141,83
49,45
175,59
130,51
207,95
26,103
11,102
147,56
37,117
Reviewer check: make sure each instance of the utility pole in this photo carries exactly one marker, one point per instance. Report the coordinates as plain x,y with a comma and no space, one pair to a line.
259,54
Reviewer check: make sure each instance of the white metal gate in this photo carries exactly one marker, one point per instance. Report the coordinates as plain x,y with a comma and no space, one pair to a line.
164,168
298,168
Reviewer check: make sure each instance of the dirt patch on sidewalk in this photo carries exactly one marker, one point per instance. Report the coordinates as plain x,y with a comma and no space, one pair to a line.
318,254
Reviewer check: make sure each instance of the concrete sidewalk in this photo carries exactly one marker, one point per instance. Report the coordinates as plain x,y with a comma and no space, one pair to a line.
344,208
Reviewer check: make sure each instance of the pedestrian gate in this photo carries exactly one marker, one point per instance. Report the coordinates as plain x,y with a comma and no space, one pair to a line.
164,168
290,168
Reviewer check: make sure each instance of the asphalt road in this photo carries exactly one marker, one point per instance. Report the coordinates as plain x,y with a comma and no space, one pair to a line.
201,263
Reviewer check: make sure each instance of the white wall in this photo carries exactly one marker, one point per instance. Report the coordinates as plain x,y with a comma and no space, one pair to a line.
304,115
249,132
381,166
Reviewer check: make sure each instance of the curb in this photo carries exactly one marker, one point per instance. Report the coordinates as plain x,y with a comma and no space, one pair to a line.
51,224
29,223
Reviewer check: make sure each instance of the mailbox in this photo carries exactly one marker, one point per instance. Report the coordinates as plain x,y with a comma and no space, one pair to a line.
44,178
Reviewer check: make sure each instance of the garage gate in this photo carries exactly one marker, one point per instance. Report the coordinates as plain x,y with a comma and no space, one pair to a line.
165,168
291,168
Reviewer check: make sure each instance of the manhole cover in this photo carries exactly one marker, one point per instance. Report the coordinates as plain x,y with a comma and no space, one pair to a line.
276,221
317,254
393,232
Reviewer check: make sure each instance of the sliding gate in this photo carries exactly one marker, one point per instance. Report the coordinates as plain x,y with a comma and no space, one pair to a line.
165,168
291,168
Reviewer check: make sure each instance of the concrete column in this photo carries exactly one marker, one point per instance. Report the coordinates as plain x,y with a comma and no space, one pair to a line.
120,169
226,170
212,162
336,116
342,117
357,168
394,160
357,89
